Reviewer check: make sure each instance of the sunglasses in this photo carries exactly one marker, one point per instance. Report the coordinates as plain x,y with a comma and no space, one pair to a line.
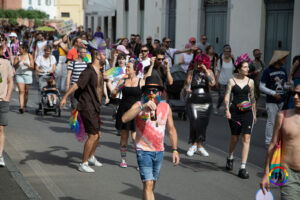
144,51
168,41
293,93
148,91
159,59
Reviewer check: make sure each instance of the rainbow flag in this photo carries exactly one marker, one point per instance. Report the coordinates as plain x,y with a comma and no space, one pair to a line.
77,126
113,72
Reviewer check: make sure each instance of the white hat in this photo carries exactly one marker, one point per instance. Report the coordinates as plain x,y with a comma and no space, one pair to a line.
278,55
13,34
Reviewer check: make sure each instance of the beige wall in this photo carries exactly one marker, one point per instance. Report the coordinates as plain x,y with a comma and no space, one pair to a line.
74,7
296,30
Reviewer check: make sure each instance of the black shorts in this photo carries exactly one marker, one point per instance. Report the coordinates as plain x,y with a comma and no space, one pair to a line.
241,122
4,107
91,121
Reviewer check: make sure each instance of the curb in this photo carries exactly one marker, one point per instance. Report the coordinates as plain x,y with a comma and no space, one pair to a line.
19,178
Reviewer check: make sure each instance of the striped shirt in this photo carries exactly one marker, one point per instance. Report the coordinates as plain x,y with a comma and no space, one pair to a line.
76,68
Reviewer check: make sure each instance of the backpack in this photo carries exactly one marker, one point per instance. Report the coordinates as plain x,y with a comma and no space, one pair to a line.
221,61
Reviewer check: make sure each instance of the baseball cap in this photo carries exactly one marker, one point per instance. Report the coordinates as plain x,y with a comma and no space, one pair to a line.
123,49
192,39
12,34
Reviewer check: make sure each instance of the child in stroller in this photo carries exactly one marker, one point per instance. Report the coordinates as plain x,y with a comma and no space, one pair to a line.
50,97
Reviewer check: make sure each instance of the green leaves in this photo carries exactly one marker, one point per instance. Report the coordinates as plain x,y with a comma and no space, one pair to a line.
12,15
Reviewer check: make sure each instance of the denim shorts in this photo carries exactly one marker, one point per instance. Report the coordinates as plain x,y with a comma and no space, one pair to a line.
4,108
24,78
149,163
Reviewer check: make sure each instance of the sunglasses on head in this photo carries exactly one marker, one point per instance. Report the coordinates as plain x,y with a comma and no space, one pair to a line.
148,91
293,93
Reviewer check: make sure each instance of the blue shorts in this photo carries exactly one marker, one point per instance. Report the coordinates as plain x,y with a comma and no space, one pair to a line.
24,78
149,163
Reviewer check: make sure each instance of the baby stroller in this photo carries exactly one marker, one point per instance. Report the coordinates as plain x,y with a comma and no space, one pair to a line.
176,102
44,105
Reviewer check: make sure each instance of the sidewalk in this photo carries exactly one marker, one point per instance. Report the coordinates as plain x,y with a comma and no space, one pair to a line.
13,185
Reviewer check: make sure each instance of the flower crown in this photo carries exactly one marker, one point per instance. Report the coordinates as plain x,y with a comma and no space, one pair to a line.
242,58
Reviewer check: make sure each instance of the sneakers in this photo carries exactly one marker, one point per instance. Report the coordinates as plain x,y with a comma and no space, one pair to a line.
229,164
243,174
123,164
84,167
203,152
2,163
93,161
192,150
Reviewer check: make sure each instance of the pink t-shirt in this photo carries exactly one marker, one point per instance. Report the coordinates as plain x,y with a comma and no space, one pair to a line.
150,134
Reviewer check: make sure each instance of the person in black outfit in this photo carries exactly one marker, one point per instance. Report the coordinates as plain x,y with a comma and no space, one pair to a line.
241,112
131,93
199,103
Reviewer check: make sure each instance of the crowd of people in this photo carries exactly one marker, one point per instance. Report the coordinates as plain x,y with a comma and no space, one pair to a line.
75,64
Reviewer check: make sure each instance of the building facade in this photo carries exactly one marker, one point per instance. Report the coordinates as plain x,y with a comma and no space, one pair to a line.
47,6
70,9
244,24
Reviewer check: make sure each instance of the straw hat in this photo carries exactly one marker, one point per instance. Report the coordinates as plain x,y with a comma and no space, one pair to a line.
278,55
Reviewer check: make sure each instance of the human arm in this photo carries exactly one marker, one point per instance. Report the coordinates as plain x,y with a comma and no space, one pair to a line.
55,43
31,66
252,98
265,181
16,62
68,81
210,76
181,60
105,92
187,84
168,73
173,137
112,90
218,72
114,61
136,109
227,98
10,82
69,92
149,72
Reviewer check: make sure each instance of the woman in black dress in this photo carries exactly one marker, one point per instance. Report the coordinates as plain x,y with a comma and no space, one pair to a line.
131,93
199,104
240,111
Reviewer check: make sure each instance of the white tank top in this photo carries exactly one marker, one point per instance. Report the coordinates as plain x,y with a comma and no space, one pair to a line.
23,69
187,59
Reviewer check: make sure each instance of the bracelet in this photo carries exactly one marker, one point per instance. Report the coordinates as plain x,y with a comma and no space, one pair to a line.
141,107
175,151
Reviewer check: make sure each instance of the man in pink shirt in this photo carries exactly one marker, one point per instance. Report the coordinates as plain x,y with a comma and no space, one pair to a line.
152,116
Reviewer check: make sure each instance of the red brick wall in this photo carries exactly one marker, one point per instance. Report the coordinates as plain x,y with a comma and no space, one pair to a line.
11,4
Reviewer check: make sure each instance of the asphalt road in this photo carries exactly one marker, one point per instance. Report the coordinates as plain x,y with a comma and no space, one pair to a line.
47,154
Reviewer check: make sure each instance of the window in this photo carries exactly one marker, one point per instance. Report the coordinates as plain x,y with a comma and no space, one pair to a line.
30,2
48,3
65,14
39,2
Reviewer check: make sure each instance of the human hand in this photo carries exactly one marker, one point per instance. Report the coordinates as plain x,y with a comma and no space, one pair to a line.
106,100
62,103
152,60
228,114
265,183
149,106
217,85
255,119
277,96
140,57
116,55
175,158
166,61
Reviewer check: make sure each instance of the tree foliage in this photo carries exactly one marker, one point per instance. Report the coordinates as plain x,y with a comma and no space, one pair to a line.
12,15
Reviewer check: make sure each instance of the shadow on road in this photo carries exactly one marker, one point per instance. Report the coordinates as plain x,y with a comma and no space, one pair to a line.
136,192
67,198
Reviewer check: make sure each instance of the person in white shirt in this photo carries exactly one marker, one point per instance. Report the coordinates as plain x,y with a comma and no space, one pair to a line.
45,66
186,58
224,72
40,45
170,52
144,60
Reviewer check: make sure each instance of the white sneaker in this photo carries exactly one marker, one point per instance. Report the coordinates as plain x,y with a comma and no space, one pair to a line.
203,152
2,163
84,167
93,161
192,150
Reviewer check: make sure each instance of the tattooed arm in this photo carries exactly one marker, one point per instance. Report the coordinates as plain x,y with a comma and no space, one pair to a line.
227,98
252,98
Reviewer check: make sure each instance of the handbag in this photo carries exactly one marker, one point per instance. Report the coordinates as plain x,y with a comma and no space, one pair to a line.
276,158
244,106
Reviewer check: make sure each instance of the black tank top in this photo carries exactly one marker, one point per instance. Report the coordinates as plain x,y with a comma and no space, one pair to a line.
240,94
131,94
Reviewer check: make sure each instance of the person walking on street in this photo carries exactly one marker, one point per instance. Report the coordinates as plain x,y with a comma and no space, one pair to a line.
144,60
75,68
24,65
131,93
199,104
223,74
72,53
240,112
272,83
61,68
286,130
256,68
6,88
186,58
151,117
89,95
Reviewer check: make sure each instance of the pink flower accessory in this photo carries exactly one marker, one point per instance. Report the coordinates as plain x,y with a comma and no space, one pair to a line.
242,58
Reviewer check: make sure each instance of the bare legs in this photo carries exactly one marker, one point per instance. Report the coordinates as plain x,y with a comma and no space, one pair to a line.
23,94
148,190
246,145
90,146
2,139
124,142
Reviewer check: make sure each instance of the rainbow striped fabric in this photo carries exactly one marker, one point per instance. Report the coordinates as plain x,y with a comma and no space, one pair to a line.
244,106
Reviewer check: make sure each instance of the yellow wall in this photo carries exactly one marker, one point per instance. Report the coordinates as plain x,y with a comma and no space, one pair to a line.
74,7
